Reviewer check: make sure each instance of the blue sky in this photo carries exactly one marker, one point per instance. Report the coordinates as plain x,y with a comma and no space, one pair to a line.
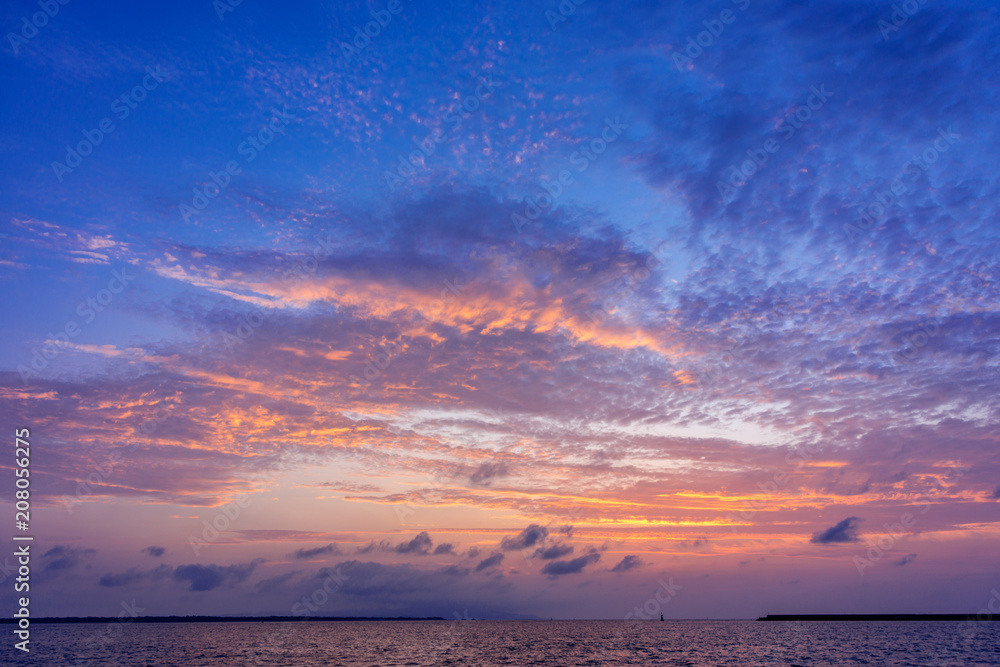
505,268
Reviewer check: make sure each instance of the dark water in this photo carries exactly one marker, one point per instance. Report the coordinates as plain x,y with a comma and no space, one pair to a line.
520,643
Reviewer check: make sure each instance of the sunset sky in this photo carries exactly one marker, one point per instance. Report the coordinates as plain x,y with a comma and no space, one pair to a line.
513,309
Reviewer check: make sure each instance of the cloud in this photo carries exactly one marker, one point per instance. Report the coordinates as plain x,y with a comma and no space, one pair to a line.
155,552
209,577
133,577
487,472
128,578
350,487
905,560
374,547
419,545
996,493
62,558
491,561
389,584
845,531
444,549
553,552
528,537
331,549
629,563
277,583
574,566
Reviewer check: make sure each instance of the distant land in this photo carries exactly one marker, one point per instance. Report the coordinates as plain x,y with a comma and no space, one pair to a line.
223,619
876,617
334,619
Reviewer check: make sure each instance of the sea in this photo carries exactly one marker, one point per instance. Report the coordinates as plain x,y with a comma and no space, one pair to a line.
519,643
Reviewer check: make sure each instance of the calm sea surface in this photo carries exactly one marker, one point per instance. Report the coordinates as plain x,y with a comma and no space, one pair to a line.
521,643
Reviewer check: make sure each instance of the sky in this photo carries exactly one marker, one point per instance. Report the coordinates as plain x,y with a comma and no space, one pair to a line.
502,309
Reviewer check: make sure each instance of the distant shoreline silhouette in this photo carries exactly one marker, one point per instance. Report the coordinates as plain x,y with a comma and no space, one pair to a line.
224,619
335,619
876,617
